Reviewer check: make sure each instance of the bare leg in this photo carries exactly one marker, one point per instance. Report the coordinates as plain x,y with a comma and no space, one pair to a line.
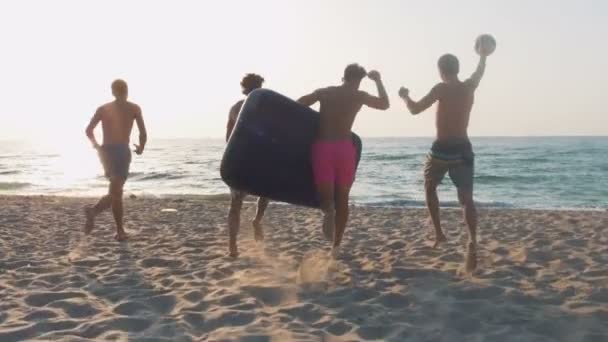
342,194
91,212
116,189
470,217
104,204
258,232
234,222
326,197
432,203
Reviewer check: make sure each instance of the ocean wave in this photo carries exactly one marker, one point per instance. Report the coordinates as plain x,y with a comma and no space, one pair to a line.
143,176
494,179
392,157
10,172
533,160
13,185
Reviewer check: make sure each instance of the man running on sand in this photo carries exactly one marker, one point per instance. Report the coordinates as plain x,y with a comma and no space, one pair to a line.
451,152
333,154
116,119
248,84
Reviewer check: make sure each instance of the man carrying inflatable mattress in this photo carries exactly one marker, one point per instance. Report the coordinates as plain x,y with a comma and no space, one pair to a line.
248,84
333,153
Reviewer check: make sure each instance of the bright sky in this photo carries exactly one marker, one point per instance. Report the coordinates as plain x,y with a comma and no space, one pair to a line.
183,60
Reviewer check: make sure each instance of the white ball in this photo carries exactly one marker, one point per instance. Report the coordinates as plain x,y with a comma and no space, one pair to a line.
485,45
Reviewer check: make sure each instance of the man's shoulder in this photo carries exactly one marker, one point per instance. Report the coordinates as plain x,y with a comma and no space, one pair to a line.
236,108
362,92
329,91
237,105
134,105
326,90
439,89
470,83
440,86
104,107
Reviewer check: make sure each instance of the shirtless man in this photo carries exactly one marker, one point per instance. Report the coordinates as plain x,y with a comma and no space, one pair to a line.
451,152
248,84
333,154
116,119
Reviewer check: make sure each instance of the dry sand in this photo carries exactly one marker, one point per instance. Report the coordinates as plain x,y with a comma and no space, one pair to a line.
543,275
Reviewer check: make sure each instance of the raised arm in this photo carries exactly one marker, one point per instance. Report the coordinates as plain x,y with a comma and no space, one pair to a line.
91,128
378,102
478,74
310,99
143,134
416,107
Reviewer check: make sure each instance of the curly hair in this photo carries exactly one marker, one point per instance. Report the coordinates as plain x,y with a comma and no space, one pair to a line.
354,73
251,82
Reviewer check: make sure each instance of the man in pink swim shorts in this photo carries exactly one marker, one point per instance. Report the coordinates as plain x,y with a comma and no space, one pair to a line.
333,154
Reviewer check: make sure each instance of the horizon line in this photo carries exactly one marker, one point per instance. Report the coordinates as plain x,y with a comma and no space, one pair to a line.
219,137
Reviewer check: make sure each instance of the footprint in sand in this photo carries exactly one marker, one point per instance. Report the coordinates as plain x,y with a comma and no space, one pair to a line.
339,328
163,304
40,315
160,262
75,309
44,298
130,308
26,333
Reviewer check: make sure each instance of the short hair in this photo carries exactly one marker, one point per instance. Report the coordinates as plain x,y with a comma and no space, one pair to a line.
448,64
354,73
250,82
120,88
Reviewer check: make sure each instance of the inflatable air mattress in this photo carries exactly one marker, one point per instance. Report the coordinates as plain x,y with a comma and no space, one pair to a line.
268,153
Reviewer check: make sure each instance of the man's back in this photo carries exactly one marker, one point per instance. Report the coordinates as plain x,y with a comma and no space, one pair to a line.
454,96
339,107
454,108
117,119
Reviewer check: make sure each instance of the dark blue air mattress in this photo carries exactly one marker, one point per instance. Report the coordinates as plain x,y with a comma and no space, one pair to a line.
268,153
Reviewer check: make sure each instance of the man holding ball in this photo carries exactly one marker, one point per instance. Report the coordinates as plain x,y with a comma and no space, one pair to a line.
452,151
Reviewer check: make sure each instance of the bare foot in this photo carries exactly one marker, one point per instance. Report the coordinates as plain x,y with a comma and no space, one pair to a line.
329,221
90,220
233,253
333,253
258,232
471,259
439,239
121,236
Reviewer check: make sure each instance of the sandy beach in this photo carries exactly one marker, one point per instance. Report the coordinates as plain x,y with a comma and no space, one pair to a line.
542,275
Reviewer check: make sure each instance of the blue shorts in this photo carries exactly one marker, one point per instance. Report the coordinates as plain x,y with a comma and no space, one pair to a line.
455,157
116,159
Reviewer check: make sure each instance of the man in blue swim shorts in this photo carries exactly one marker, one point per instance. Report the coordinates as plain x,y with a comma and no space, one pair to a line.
451,152
116,119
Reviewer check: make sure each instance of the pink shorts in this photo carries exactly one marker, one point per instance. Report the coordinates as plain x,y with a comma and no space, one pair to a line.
334,162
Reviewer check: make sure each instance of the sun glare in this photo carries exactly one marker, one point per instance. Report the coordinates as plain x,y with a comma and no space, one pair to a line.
74,162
